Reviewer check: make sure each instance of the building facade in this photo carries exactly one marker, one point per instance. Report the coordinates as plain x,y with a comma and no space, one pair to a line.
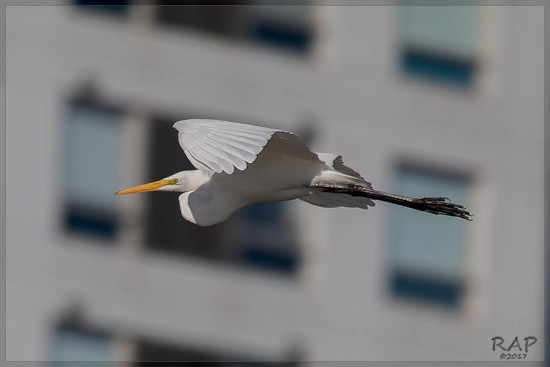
437,101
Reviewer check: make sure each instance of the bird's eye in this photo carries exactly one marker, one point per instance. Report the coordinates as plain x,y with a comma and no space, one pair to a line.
174,181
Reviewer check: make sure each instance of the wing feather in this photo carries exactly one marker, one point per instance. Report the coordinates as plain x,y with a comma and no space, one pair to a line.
237,149
197,163
245,144
227,160
201,160
221,146
213,157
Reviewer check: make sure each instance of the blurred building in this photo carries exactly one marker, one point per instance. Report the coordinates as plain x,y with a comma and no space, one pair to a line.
423,101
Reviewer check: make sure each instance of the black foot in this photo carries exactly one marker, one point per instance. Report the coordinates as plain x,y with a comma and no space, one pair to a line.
443,205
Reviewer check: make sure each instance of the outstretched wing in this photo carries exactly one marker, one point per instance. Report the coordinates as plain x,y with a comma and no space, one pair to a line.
221,146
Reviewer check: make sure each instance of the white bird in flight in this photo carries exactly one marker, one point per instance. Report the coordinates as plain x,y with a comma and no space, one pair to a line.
239,164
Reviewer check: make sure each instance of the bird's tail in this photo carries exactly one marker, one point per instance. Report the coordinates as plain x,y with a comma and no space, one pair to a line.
434,205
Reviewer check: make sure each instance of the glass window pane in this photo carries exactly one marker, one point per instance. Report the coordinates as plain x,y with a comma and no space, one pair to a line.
289,27
92,156
114,7
427,250
225,21
267,237
208,356
448,29
91,172
440,43
293,14
285,27
79,345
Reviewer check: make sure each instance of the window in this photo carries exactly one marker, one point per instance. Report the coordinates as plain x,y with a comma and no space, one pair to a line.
427,252
113,7
284,27
212,18
289,27
165,228
76,343
266,237
440,43
148,350
259,236
92,140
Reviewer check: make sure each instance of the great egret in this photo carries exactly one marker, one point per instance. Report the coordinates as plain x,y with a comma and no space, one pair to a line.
239,164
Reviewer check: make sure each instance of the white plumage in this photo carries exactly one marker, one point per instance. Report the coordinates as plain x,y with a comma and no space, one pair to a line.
239,164
220,146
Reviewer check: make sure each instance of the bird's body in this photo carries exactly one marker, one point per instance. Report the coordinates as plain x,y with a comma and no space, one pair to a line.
238,165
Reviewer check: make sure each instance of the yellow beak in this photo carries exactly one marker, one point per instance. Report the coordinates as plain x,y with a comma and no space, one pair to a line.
152,186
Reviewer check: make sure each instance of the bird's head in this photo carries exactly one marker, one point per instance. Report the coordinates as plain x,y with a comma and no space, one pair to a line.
180,182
